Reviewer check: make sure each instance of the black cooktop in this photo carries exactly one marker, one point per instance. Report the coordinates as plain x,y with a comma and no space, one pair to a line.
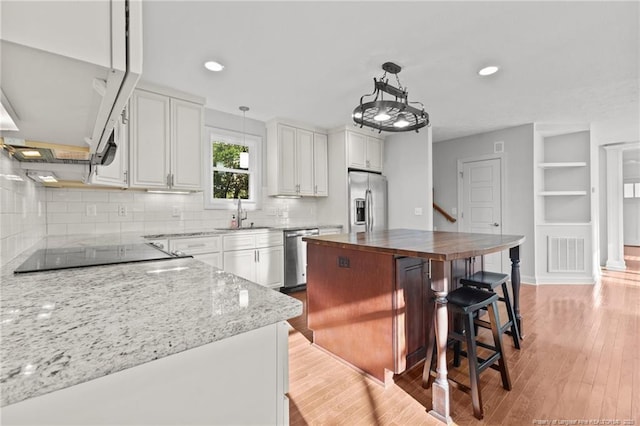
77,257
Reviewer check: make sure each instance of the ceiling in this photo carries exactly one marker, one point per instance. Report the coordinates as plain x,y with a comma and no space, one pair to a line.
561,62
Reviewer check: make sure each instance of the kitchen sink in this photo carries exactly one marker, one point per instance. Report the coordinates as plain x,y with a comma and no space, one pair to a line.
248,228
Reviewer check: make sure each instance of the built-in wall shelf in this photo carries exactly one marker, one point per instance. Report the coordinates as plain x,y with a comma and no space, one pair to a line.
563,164
561,193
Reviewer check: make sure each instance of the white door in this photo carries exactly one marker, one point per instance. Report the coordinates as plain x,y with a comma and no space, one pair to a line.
241,263
186,145
270,266
149,140
287,160
320,171
357,150
304,161
374,154
481,203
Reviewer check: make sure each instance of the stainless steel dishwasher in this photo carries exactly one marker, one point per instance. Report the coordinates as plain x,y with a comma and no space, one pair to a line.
295,258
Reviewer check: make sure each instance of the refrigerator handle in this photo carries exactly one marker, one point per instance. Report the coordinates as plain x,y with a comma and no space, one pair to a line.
369,201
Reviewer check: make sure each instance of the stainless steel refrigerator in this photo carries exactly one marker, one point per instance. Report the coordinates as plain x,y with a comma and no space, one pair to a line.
367,201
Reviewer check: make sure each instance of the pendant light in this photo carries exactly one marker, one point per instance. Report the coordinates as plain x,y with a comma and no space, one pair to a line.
244,156
390,115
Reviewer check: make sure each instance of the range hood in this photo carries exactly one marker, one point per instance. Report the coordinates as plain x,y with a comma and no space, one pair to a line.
67,74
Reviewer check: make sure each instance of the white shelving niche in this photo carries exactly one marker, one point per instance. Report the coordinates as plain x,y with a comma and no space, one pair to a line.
563,205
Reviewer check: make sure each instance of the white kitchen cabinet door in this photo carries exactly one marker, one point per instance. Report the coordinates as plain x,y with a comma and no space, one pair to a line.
304,162
374,154
241,263
270,266
320,165
149,140
213,259
356,150
115,174
287,182
186,145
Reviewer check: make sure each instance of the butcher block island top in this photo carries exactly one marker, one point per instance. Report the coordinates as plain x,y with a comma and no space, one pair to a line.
437,245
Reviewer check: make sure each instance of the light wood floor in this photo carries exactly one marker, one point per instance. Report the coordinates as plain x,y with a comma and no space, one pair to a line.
580,360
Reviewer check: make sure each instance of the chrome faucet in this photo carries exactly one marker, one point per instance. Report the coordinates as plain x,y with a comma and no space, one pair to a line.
241,214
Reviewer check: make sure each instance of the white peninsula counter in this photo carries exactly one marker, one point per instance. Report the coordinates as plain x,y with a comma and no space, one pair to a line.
162,342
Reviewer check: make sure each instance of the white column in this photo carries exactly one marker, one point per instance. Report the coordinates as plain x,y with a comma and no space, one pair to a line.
615,224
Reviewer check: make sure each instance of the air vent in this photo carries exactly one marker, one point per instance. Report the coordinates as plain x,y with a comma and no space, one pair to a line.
565,254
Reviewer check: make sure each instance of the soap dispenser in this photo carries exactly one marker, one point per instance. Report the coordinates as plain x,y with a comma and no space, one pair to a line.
234,222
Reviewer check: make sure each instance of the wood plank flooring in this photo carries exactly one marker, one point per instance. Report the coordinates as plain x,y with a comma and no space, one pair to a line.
580,361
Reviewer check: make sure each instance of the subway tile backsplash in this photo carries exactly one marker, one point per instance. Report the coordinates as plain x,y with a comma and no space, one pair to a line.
22,210
97,211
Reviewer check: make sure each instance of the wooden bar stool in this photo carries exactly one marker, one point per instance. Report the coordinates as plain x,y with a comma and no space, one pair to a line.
489,281
466,301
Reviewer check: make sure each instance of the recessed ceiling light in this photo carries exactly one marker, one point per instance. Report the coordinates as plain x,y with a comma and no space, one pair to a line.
213,66
491,69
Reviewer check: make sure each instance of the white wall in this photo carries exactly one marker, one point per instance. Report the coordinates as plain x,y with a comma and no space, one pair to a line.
518,217
22,210
408,167
631,206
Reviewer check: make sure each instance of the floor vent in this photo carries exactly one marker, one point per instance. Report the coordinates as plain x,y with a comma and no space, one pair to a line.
566,254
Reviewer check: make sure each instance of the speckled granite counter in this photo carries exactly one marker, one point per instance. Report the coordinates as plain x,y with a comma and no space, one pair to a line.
62,328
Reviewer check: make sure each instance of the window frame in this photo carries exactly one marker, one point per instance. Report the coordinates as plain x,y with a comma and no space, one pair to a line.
254,143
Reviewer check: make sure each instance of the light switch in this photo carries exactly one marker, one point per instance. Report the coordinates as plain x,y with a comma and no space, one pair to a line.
454,211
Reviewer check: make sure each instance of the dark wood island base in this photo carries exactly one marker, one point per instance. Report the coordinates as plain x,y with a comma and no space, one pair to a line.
368,308
372,297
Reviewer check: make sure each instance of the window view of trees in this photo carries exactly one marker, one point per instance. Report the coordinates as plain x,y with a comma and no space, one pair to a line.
230,171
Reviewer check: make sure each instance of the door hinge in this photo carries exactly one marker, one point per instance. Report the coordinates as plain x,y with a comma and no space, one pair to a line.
461,175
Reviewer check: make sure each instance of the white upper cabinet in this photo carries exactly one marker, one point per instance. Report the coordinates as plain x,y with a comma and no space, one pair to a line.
364,152
297,161
116,173
165,142
186,146
304,161
320,165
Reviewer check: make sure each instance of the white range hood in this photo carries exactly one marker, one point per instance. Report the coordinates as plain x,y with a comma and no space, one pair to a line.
68,70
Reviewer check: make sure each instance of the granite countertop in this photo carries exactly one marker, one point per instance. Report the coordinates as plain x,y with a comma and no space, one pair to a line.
61,328
437,245
224,231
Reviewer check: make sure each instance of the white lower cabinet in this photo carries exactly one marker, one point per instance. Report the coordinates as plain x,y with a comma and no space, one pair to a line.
269,268
242,379
205,249
257,257
241,263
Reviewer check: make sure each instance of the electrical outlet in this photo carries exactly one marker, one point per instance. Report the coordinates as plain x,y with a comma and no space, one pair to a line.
343,262
176,211
417,211
454,211
92,210
272,211
122,210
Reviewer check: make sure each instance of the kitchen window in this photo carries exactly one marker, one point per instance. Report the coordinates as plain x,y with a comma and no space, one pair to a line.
232,167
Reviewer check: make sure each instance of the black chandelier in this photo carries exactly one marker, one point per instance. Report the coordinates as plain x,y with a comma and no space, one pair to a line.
390,115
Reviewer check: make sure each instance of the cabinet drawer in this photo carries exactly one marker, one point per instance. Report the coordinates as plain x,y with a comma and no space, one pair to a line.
196,245
238,242
269,239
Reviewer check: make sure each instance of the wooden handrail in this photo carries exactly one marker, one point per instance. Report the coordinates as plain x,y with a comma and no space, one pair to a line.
444,213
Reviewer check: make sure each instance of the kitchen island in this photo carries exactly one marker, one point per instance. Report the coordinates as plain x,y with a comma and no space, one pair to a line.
370,296
162,342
